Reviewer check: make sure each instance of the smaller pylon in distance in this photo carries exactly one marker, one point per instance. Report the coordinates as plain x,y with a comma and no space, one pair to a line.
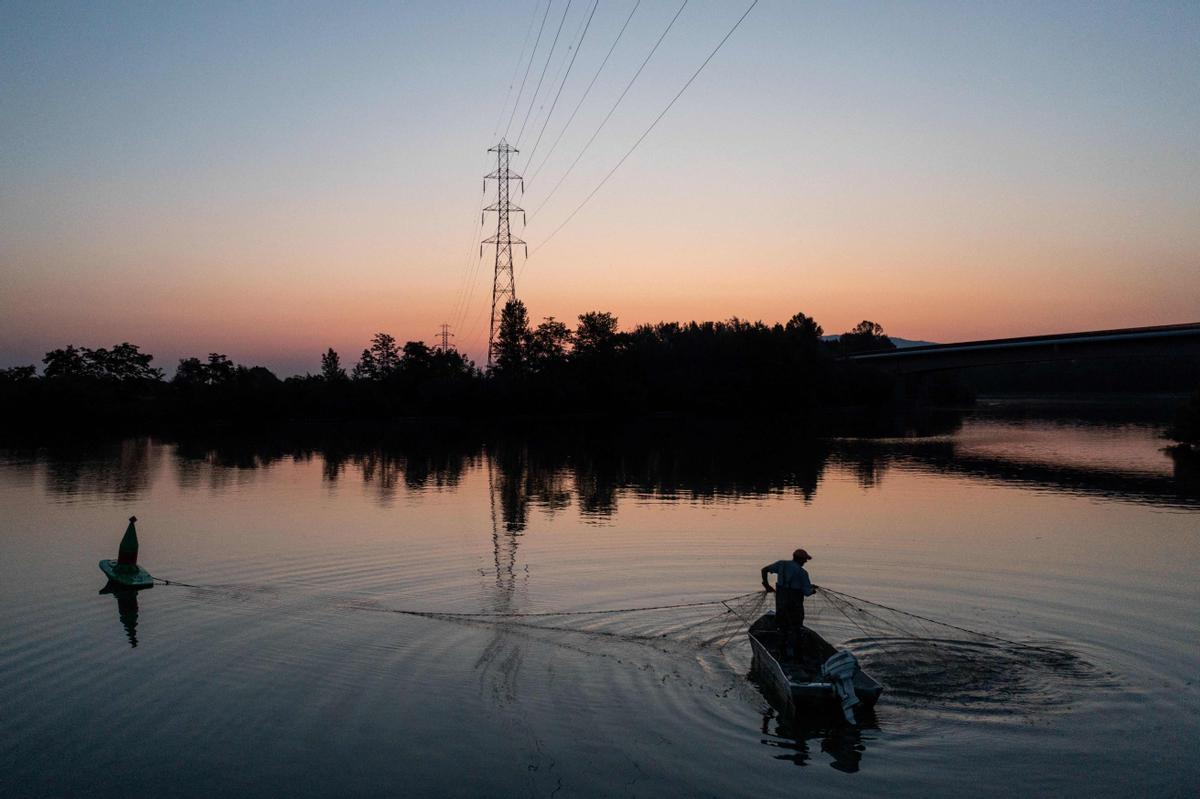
445,335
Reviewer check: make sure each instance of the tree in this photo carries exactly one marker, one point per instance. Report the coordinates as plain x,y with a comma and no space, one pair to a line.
125,362
596,333
122,363
258,379
867,336
190,372
69,362
379,361
365,369
219,370
387,355
416,358
18,374
512,340
804,326
331,367
548,344
868,328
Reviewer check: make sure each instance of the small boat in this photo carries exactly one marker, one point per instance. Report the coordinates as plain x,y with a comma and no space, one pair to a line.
799,684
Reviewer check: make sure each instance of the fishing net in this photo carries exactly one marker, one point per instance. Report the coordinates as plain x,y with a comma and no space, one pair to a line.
715,623
920,659
917,658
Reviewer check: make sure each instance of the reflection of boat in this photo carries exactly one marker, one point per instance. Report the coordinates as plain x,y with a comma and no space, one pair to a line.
843,743
799,683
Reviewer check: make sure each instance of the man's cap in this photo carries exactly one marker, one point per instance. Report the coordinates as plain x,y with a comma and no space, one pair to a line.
800,554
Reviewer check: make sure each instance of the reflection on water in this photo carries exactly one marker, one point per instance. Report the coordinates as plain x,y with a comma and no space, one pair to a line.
597,468
121,469
299,548
127,608
842,745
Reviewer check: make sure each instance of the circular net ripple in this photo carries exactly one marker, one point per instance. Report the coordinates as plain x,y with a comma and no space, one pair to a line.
968,672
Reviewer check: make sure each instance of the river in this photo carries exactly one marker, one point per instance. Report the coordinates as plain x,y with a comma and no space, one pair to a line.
278,667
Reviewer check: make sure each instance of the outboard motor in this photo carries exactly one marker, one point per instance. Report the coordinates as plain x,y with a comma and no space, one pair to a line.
840,670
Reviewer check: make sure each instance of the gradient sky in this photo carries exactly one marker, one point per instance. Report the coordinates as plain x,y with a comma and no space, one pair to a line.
270,179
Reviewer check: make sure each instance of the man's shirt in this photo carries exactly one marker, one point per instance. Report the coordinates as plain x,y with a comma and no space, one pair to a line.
790,575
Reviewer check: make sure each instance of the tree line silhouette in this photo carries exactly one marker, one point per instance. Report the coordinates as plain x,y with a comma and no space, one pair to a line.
732,367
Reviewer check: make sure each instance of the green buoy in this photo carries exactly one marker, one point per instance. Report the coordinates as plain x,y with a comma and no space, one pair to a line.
125,571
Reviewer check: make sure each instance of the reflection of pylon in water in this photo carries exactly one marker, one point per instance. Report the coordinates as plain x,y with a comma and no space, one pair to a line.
504,542
501,658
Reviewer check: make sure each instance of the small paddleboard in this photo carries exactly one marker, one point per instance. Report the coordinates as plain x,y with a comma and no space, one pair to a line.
131,576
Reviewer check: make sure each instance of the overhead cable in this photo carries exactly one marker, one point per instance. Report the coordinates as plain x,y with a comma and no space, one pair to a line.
516,68
608,116
570,119
646,132
549,55
532,53
562,83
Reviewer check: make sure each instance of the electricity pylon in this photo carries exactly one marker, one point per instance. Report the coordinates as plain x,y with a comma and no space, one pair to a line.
445,336
504,284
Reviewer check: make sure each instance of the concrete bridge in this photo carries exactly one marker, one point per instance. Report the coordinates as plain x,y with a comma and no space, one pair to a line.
1161,340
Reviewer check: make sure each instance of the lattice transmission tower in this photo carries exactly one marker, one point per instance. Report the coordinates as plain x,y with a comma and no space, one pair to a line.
445,335
504,284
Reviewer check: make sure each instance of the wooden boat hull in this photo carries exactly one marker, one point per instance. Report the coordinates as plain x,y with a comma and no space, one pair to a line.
135,577
797,691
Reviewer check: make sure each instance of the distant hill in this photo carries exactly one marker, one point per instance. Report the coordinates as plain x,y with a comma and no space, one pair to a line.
900,343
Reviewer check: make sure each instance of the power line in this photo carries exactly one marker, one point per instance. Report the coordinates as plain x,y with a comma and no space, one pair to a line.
608,116
646,132
586,91
470,271
558,69
527,67
517,67
542,77
562,83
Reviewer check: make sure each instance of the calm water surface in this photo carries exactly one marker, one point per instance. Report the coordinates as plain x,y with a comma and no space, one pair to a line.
278,671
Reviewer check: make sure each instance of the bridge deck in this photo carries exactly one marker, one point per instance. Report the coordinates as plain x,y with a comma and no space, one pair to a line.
1164,339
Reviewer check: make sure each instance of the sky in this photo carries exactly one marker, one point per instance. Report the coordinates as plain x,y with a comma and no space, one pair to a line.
270,179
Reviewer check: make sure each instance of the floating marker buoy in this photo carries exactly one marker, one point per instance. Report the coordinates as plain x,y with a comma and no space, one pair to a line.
124,570
127,551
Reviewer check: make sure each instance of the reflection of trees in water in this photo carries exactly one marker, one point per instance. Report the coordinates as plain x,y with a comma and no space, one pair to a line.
545,469
593,465
699,462
122,469
421,466
382,461
221,463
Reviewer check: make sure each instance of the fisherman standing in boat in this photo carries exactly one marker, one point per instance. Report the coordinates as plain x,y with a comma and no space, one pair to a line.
791,586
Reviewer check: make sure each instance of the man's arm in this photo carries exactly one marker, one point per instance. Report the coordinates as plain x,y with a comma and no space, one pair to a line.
765,571
806,584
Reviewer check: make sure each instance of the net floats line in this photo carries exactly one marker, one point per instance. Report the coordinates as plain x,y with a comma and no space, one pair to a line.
491,615
487,614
